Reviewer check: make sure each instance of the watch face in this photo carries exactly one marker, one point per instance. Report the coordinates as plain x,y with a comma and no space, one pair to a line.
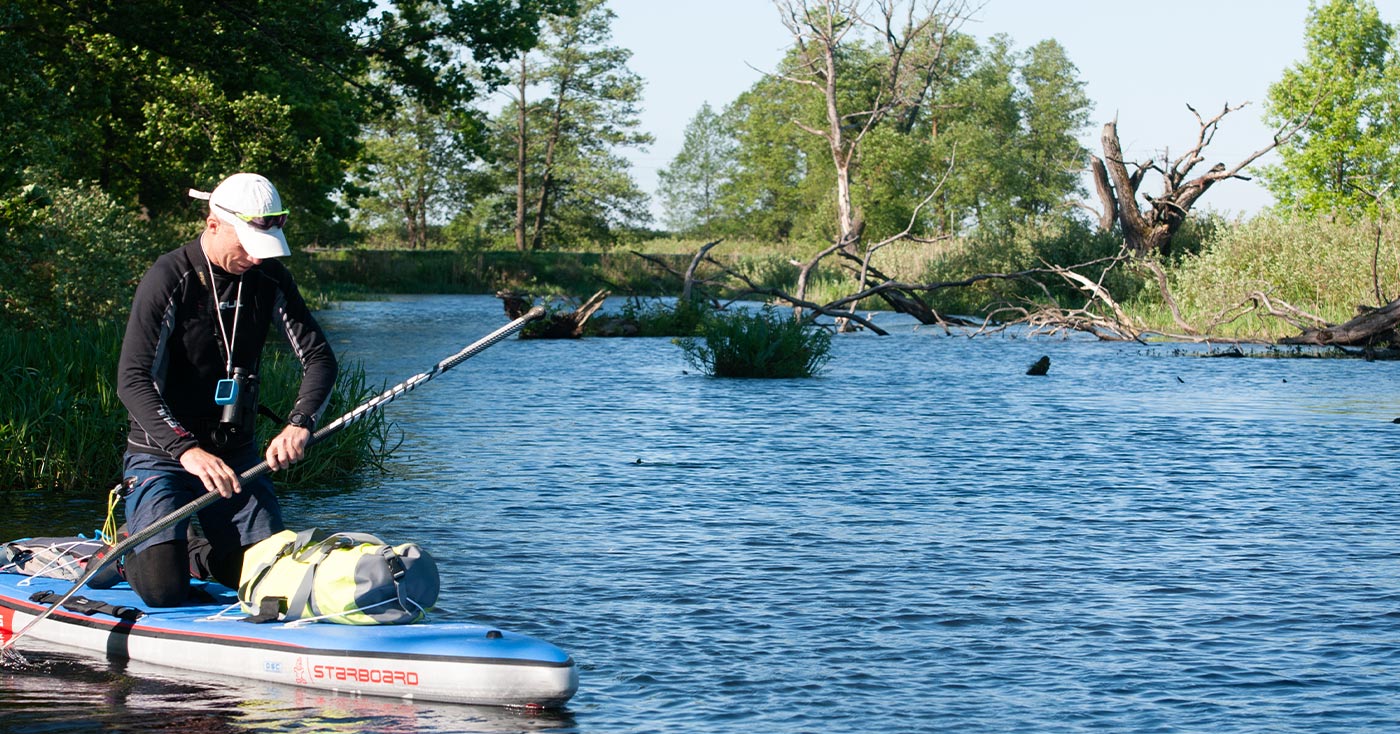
299,420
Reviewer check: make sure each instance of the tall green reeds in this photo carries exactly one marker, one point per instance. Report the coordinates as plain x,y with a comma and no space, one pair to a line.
62,426
342,458
762,343
1325,267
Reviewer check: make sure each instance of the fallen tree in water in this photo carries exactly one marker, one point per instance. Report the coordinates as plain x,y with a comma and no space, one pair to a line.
556,323
1371,327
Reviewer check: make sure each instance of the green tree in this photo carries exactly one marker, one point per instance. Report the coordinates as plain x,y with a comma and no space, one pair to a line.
766,195
864,64
690,186
418,165
149,97
1000,124
976,127
1055,109
1349,79
569,180
68,253
1009,121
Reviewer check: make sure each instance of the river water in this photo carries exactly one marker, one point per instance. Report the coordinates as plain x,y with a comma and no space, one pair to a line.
921,539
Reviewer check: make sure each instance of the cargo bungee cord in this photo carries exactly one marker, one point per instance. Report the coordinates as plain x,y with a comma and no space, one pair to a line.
100,559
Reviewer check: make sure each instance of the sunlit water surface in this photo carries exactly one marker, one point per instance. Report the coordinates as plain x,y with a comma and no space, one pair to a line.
922,539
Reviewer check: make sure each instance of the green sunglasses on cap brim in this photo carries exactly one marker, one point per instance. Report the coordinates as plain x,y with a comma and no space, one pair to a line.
269,220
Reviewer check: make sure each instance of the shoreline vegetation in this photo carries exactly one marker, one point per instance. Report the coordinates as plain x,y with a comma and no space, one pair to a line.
63,426
1220,277
65,429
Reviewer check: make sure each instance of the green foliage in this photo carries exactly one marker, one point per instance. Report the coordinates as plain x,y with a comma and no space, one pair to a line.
766,196
418,169
576,186
68,253
1000,123
689,187
683,318
1055,108
762,343
973,125
1007,122
63,425
1320,266
1350,83
149,97
64,428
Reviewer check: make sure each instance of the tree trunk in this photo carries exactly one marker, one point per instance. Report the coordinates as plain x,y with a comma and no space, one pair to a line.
1372,326
521,131
561,325
551,144
1142,232
1109,215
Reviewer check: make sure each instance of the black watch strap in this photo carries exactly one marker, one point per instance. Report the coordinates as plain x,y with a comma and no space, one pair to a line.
301,420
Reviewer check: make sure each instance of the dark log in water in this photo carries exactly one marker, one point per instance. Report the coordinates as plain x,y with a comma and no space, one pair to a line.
558,325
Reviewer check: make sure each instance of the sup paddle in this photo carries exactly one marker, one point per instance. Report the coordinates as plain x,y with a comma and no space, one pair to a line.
108,554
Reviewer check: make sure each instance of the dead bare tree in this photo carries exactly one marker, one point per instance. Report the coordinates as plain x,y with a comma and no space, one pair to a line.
820,30
1149,230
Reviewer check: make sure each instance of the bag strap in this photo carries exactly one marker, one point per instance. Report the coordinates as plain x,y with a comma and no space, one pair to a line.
398,570
247,588
269,611
333,541
303,599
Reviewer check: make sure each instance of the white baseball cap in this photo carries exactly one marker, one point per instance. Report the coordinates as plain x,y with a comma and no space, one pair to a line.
252,205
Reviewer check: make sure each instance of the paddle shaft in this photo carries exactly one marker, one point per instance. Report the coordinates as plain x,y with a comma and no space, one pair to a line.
110,554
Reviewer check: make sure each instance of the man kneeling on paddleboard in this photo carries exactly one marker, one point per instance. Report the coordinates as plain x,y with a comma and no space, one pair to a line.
188,377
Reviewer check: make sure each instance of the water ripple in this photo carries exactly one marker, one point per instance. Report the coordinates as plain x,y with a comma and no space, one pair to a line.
922,539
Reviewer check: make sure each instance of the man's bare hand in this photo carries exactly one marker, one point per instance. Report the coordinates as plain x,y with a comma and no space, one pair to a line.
288,447
216,475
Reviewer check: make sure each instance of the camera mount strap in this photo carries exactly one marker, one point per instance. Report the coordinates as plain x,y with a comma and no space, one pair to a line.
228,340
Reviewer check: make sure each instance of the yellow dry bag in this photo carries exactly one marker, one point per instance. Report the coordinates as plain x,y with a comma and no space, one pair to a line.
347,578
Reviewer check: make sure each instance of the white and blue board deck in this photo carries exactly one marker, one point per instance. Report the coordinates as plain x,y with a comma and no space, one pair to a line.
432,661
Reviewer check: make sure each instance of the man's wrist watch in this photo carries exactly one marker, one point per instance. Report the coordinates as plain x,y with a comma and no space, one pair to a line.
301,420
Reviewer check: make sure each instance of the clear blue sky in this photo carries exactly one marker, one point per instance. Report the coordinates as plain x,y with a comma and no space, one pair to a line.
1142,61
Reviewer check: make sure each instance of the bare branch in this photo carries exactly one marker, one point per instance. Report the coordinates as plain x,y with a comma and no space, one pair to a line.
1165,290
695,262
797,303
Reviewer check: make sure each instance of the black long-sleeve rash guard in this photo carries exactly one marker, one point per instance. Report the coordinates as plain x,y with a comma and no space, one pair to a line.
173,353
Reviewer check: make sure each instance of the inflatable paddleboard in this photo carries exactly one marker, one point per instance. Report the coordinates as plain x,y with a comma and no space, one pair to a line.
431,661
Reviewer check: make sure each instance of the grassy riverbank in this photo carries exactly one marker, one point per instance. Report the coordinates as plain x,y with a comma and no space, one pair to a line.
541,273
1321,267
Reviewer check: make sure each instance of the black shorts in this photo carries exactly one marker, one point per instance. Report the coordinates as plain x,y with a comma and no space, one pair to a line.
160,485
